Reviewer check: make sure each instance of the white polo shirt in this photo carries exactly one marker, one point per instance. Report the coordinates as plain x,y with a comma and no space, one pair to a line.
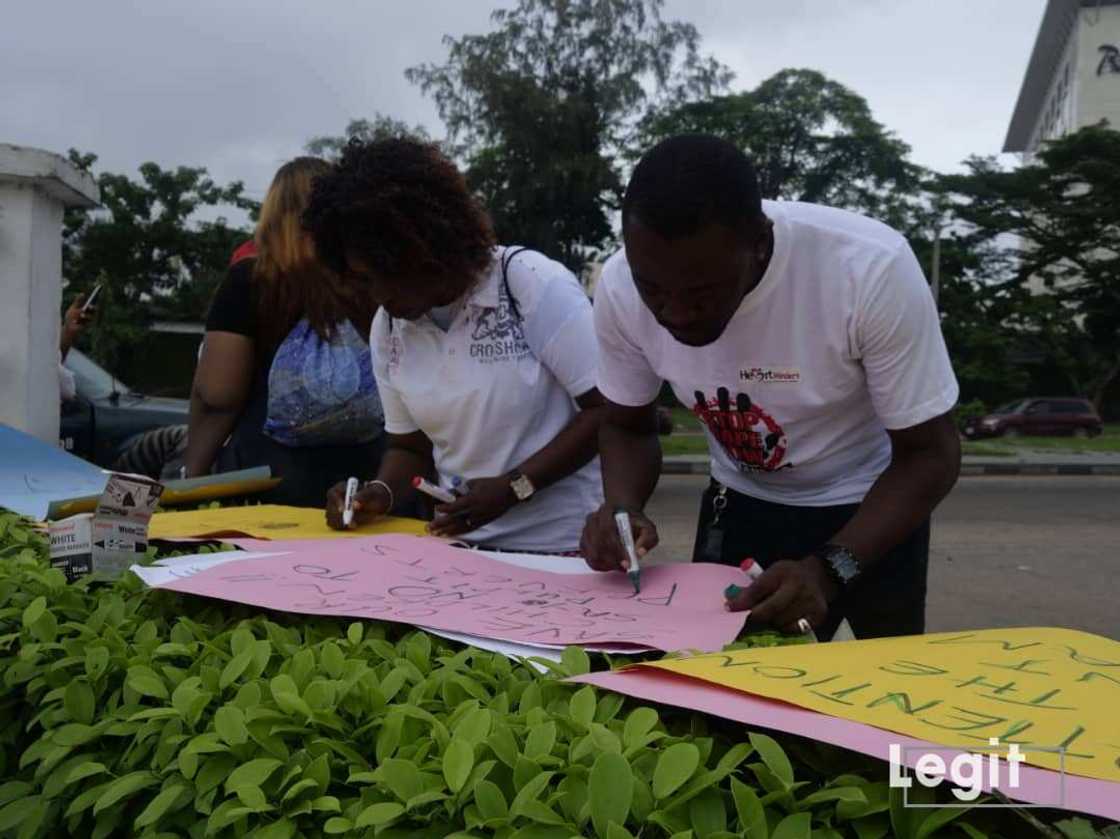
493,390
839,341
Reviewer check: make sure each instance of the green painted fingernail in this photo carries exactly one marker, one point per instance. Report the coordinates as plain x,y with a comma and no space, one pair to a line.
731,591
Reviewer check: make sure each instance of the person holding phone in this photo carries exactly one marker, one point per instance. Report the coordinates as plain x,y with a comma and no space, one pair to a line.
74,322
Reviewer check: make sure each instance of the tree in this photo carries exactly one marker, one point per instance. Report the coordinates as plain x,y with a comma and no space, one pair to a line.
541,108
1064,219
147,247
811,139
365,130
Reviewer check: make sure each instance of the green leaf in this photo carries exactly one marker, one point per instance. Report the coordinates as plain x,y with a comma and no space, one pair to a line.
401,777
337,825
475,726
319,771
707,814
540,741
582,705
252,774
354,633
614,831
458,760
575,661
79,701
229,722
235,667
640,722
123,787
378,814
282,829
752,815
1076,829
97,662
833,795
13,814
773,757
13,790
326,804
35,610
85,770
389,737
937,819
146,682
611,790
159,806
490,800
530,791
674,767
797,826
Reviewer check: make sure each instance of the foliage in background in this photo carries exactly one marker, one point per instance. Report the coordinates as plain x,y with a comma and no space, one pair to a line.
132,713
148,247
810,138
381,127
540,108
1055,221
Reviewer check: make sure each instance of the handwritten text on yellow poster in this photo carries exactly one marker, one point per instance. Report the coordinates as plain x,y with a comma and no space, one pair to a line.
1041,687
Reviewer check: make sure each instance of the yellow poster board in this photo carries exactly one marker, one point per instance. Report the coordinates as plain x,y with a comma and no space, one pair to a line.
268,521
1038,687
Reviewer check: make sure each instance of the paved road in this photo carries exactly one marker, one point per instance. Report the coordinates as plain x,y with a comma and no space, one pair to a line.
1017,551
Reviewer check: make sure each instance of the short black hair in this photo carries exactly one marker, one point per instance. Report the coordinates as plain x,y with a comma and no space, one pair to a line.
403,206
689,181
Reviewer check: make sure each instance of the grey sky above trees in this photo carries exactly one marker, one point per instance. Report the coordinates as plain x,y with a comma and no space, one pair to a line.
239,87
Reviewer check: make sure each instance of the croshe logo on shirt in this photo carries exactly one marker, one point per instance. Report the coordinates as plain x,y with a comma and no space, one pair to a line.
749,435
497,334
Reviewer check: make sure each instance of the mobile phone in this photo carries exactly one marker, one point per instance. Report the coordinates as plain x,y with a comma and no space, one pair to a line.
92,297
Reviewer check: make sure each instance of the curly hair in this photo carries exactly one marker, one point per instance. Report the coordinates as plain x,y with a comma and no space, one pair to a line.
403,208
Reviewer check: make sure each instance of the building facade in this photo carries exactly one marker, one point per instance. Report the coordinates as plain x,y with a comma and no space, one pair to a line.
1073,76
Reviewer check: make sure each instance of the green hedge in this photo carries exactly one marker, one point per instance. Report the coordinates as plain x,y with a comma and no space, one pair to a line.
126,712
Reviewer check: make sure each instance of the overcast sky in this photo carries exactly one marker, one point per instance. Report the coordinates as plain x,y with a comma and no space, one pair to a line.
238,86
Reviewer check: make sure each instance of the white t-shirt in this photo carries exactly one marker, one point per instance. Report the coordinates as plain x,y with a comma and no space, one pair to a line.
493,390
839,341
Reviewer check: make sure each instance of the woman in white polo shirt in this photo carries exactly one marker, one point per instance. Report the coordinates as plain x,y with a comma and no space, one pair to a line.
485,356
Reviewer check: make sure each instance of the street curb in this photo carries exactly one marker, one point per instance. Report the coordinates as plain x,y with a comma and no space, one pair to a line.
700,467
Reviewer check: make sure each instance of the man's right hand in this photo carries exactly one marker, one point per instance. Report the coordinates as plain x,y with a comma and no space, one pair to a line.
370,503
601,546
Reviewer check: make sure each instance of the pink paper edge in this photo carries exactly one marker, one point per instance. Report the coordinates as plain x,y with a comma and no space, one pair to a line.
1037,784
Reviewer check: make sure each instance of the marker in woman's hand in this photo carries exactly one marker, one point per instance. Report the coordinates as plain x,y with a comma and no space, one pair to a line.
436,492
348,503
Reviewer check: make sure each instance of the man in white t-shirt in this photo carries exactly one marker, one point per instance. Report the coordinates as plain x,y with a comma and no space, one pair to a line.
806,341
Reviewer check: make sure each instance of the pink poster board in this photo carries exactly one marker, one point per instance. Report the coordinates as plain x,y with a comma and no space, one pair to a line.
426,582
1039,786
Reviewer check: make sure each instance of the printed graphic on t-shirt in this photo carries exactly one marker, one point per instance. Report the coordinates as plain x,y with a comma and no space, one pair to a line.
750,436
498,334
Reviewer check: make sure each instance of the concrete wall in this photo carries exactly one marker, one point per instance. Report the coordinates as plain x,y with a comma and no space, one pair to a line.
1098,96
29,315
35,188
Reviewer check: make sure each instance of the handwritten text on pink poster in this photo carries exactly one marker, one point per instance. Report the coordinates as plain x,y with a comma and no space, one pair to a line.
426,582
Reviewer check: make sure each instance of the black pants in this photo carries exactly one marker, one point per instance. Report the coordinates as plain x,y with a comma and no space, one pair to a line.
890,599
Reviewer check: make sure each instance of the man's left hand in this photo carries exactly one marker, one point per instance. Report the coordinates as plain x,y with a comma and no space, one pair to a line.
787,592
485,499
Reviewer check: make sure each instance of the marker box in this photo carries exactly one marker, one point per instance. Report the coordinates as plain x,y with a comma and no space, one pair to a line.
113,536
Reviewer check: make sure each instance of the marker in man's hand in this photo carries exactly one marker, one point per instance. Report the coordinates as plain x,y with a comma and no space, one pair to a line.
626,535
348,503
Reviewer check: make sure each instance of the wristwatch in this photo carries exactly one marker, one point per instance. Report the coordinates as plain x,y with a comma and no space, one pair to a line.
840,563
522,487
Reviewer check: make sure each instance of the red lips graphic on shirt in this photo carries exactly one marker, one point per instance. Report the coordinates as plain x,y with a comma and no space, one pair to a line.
750,436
